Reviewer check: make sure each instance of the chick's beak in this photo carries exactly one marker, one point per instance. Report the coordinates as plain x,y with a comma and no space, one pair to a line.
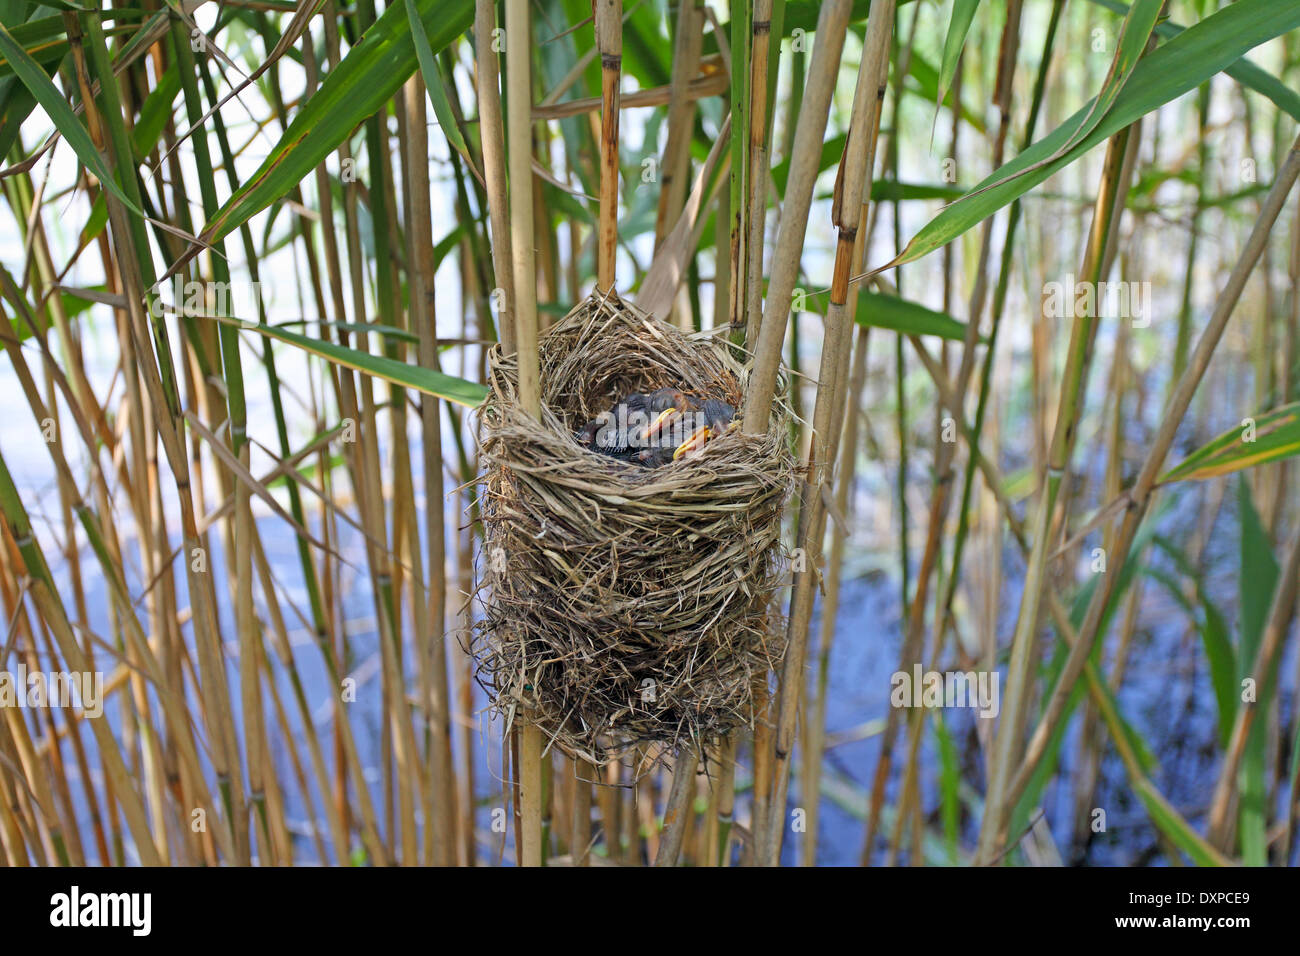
656,426
697,440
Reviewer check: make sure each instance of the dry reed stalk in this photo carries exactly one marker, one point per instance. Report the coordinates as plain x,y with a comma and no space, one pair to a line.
519,86
721,273
678,809
757,177
761,751
519,132
547,245
1092,737
676,164
403,779
368,484
239,548
273,804
810,131
432,664
643,795
158,372
726,801
737,57
988,638
492,141
609,41
465,682
408,561
580,832
912,638
609,800
815,739
851,194
333,641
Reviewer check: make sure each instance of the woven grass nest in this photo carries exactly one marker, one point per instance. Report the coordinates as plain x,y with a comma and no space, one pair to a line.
626,605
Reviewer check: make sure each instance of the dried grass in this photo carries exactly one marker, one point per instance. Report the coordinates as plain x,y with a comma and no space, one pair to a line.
628,605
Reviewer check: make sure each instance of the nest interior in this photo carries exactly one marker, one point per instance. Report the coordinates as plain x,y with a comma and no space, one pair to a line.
626,605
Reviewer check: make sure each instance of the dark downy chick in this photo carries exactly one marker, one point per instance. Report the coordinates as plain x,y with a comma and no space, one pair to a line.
717,417
664,405
658,443
612,432
636,429
654,455
663,399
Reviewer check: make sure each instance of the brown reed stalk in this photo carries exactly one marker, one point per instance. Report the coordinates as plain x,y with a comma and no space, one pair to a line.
609,41
492,143
519,138
677,810
433,653
852,192
823,74
756,180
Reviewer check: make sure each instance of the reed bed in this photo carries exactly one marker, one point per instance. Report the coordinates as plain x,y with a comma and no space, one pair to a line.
419,243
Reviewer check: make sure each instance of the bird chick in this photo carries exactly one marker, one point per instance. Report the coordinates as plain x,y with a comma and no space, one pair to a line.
654,456
662,399
618,431
665,405
717,417
648,429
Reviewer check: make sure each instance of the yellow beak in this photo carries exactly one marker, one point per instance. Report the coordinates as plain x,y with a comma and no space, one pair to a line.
696,440
657,425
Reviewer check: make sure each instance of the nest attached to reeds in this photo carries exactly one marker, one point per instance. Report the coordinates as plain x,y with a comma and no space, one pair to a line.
626,605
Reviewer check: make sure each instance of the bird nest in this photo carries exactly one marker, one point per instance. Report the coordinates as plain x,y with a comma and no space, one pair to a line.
626,605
